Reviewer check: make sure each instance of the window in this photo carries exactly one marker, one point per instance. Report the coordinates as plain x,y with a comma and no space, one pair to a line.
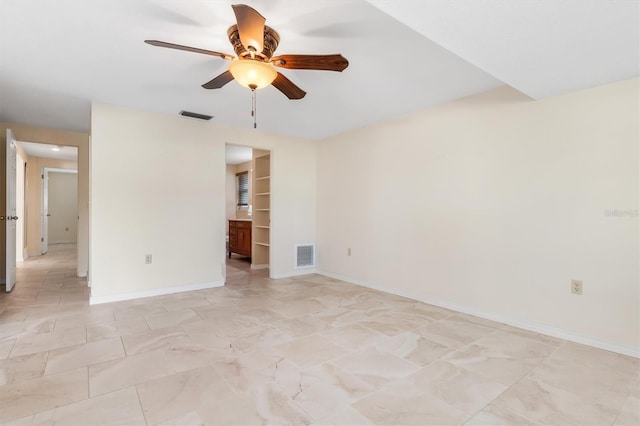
242,189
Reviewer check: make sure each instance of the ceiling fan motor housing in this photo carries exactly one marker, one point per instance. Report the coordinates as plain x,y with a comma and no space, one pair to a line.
271,41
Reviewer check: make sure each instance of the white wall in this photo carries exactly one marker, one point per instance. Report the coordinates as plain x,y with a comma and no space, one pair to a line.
63,207
166,197
492,204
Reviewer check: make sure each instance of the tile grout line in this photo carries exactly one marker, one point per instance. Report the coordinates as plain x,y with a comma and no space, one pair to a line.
524,377
15,341
144,416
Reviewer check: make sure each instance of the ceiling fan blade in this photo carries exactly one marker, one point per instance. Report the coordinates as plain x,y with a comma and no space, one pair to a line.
335,62
188,49
218,81
250,27
287,87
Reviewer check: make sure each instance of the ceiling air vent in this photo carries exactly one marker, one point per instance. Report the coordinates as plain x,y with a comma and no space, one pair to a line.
305,255
196,115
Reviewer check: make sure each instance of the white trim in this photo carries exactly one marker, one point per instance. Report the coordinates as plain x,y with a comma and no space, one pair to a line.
96,300
59,170
296,273
525,325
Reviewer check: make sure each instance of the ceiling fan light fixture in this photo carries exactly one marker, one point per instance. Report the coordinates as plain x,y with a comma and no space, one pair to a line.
252,74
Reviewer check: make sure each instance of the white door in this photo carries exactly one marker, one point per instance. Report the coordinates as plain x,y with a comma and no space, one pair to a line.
11,211
45,212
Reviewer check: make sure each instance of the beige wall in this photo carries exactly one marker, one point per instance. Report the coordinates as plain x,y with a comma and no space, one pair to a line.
230,179
54,137
63,207
168,199
491,205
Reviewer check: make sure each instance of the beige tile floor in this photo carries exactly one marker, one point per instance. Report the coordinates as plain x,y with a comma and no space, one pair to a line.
308,350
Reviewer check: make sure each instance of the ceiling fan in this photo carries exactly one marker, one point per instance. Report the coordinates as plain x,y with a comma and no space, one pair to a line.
254,43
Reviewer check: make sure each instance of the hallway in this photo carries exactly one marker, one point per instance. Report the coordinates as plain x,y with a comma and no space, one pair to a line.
45,285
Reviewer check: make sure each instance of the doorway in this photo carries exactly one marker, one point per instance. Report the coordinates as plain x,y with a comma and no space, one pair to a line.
35,164
59,207
248,208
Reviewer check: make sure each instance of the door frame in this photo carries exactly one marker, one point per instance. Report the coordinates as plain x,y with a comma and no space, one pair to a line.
10,210
272,151
21,207
44,204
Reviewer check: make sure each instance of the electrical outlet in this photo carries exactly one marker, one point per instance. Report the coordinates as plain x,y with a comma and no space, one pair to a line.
576,287
148,259
349,251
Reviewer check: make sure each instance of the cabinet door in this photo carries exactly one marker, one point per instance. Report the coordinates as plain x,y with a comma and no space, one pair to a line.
233,236
247,241
244,240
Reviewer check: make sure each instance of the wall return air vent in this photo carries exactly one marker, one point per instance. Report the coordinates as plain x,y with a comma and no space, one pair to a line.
305,255
196,115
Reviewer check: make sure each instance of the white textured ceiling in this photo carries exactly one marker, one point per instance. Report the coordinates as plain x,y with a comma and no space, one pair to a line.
235,154
56,56
540,47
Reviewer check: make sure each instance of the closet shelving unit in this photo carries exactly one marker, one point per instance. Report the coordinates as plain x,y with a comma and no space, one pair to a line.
261,208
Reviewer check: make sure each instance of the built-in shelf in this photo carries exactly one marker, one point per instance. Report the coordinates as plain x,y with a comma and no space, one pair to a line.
262,208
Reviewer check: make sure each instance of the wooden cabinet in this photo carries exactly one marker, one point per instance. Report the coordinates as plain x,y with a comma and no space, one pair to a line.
240,237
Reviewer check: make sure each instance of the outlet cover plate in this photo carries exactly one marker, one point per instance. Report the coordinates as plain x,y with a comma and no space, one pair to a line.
576,287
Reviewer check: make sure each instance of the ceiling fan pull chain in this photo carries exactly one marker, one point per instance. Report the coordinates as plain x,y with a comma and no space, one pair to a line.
254,112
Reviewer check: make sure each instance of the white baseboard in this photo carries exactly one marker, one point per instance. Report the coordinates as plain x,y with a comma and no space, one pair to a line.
525,325
296,273
96,300
254,267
